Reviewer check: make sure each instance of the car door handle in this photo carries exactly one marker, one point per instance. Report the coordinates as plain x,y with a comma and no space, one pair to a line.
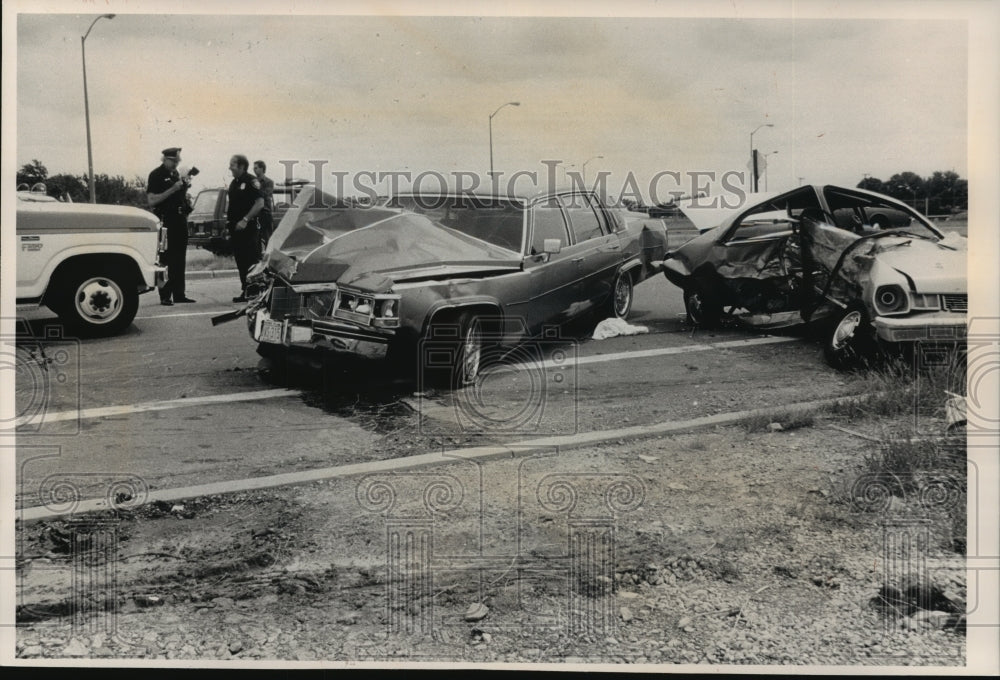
614,246
577,259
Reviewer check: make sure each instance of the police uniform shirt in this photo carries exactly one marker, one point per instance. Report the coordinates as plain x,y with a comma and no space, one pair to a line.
243,193
160,180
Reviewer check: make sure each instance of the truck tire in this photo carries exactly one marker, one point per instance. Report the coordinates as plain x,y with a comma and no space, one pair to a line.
97,302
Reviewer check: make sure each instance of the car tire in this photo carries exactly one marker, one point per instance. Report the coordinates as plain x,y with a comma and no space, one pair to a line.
702,308
622,296
97,303
453,351
849,340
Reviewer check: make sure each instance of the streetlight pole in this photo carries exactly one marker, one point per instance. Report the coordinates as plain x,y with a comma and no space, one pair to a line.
86,105
753,158
585,168
769,153
491,131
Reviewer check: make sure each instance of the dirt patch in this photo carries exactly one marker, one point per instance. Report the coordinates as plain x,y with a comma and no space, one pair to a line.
726,546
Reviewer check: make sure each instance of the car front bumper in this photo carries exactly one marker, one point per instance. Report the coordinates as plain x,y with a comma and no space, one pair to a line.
328,335
930,326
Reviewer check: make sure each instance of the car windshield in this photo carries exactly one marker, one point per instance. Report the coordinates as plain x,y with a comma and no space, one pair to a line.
498,221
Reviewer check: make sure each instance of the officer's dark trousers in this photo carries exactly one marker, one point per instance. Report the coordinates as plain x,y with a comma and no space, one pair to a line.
176,259
266,226
246,250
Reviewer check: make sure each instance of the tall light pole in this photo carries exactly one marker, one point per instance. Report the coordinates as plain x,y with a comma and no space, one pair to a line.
753,157
593,158
769,153
491,131
86,104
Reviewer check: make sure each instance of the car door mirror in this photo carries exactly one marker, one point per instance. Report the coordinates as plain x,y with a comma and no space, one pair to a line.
551,246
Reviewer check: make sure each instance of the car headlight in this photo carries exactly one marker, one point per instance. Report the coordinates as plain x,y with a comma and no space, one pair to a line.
891,299
386,311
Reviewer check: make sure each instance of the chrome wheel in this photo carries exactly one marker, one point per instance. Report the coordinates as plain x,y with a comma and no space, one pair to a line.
472,351
622,296
846,330
98,300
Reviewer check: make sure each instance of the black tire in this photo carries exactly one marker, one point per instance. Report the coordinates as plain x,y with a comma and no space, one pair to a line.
702,308
97,303
622,296
848,339
452,352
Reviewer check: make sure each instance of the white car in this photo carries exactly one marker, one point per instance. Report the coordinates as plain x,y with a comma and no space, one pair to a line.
87,263
865,265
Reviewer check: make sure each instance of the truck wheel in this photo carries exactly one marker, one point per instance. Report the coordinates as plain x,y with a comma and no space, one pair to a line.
702,309
97,303
848,341
622,294
453,352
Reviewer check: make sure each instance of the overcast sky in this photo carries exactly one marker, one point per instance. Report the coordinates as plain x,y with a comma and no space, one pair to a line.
845,96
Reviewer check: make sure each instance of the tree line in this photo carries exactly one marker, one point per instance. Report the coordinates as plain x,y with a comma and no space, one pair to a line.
943,193
108,189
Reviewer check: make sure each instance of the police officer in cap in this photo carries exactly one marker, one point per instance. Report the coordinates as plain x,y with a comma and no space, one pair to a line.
246,200
166,191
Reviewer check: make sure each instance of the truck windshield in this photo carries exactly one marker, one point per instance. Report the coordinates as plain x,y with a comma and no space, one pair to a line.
205,203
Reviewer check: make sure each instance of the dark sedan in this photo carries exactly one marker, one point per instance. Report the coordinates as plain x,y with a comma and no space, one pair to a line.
438,279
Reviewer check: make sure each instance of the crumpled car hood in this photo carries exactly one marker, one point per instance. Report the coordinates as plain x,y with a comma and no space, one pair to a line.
933,268
402,247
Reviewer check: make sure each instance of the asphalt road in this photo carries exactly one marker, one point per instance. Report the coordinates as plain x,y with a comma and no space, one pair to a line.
222,420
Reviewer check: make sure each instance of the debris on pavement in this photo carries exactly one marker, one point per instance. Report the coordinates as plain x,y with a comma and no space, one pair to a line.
612,328
477,611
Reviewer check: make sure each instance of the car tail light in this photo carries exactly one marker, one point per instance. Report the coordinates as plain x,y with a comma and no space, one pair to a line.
891,299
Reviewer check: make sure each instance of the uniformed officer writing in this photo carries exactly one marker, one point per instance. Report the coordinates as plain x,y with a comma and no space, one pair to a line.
165,192
245,201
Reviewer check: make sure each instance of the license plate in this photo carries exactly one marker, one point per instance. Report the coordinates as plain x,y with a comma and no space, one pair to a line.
270,331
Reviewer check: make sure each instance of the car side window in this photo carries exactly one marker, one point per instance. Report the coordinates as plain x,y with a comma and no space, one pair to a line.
547,220
583,221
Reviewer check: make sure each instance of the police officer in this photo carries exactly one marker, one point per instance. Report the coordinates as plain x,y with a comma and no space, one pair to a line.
245,202
165,192
265,221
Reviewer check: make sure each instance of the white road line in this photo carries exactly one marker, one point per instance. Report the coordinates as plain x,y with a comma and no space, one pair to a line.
477,453
662,351
125,409
171,316
105,411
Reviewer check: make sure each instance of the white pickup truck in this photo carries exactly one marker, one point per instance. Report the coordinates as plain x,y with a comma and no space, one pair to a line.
87,263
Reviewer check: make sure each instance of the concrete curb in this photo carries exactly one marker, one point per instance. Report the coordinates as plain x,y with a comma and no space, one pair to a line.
216,274
476,453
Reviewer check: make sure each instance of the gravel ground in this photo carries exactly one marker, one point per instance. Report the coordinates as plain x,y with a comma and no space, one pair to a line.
739,548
